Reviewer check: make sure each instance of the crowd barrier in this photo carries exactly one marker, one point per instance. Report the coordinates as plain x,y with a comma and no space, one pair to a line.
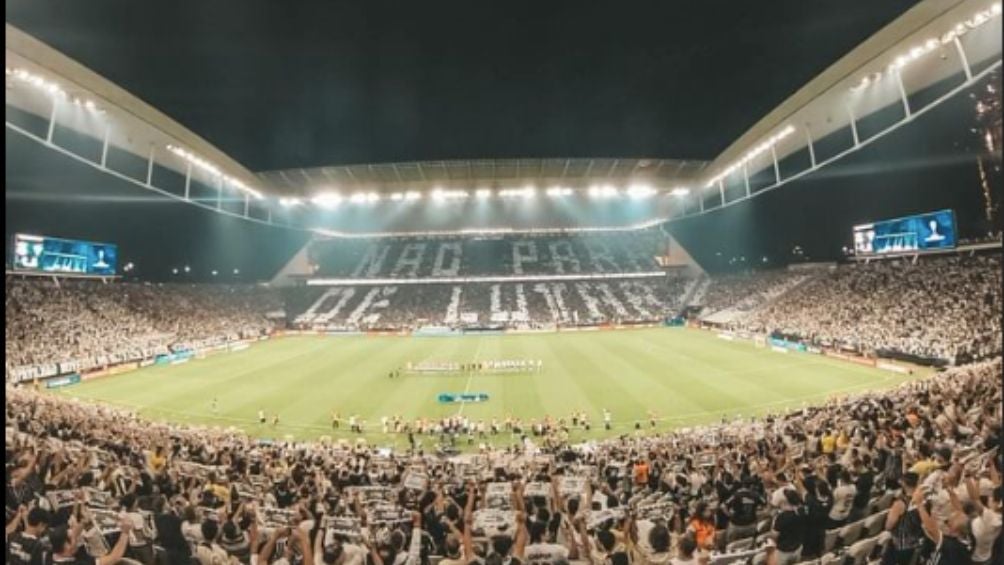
894,368
435,331
788,344
844,356
913,359
64,381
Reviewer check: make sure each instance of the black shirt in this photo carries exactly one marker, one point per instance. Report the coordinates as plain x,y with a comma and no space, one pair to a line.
75,560
743,506
25,549
169,534
864,486
790,528
951,551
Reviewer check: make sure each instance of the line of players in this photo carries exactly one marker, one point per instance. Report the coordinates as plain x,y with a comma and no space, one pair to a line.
461,425
466,426
483,366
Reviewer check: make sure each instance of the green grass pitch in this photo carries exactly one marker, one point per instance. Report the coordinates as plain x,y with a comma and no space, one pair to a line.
684,376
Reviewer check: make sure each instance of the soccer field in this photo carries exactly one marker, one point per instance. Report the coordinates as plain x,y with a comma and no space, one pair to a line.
684,376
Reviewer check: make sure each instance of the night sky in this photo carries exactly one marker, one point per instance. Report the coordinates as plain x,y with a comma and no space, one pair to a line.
289,84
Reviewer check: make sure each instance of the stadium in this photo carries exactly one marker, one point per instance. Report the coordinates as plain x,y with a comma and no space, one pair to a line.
503,283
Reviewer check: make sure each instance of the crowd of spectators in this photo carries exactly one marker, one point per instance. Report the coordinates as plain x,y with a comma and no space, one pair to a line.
90,323
491,304
939,308
946,309
915,470
745,292
425,257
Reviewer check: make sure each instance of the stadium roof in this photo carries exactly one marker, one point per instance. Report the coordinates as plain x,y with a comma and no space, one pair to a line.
486,173
935,42
827,102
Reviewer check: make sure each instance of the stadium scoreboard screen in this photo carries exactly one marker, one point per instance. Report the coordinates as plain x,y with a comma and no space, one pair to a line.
923,232
63,256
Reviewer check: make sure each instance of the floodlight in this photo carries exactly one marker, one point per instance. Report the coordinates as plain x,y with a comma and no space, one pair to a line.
327,200
640,191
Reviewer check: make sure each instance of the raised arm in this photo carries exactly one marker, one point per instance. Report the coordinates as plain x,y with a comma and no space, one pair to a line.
895,513
303,540
16,520
265,555
517,497
930,525
519,547
117,552
974,494
415,549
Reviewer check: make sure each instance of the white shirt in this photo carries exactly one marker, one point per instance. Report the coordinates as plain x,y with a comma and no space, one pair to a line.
777,498
138,537
843,499
352,555
545,553
985,529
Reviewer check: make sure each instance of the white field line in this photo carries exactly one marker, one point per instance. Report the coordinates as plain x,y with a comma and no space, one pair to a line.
470,375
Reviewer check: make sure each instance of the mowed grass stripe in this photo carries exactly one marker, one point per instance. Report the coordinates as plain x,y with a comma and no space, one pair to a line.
685,376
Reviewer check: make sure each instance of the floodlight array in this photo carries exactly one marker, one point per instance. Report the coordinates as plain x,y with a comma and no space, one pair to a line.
327,200
212,169
486,231
526,193
603,192
51,87
917,51
638,191
752,154
330,199
439,195
364,197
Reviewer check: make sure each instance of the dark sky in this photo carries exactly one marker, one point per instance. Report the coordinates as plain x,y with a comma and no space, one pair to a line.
285,84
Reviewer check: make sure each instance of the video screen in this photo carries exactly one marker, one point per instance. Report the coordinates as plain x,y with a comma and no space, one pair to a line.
64,256
922,232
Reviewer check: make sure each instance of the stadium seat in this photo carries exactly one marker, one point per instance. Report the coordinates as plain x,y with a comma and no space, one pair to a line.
851,533
830,539
862,550
739,545
884,502
873,504
873,524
